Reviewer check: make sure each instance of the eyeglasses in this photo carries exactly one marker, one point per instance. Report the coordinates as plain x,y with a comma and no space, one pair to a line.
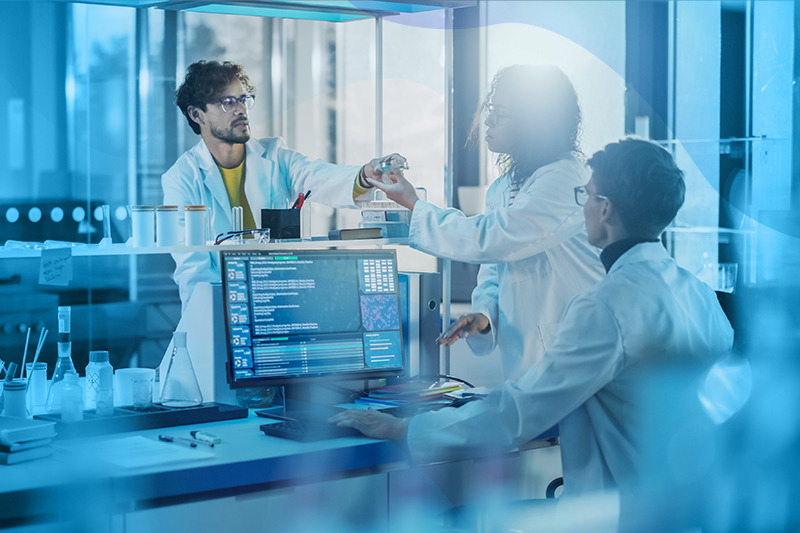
494,116
261,235
582,195
229,103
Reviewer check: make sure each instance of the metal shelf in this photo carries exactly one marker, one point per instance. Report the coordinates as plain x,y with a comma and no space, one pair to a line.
90,250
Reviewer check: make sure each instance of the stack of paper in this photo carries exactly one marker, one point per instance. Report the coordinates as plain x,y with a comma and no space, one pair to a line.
24,440
405,393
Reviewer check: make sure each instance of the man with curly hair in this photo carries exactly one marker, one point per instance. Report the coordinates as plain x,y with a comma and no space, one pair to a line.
228,169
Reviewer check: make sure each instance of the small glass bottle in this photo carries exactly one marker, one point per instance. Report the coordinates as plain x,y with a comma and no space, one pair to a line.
71,398
98,369
64,362
180,384
14,393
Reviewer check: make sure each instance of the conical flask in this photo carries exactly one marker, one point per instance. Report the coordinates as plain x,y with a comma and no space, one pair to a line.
180,385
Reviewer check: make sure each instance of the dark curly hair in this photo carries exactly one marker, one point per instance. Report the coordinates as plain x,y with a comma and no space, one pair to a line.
204,80
547,117
643,182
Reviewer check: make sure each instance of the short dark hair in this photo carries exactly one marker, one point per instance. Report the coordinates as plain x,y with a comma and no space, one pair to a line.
548,117
643,182
204,79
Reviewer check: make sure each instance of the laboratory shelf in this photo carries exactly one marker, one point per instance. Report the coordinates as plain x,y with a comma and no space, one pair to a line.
89,250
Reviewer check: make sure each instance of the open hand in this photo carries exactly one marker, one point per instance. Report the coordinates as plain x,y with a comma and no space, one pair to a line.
393,183
464,326
372,423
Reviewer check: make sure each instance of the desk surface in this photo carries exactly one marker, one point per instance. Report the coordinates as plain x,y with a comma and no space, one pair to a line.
246,460
245,457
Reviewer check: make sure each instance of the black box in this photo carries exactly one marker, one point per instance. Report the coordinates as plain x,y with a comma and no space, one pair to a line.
282,223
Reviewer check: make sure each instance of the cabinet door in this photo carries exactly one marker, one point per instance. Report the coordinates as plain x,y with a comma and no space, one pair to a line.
346,505
419,496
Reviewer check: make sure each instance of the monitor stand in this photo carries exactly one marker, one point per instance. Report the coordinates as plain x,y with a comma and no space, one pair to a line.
303,401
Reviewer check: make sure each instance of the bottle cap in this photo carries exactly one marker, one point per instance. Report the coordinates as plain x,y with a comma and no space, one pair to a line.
98,356
179,339
71,376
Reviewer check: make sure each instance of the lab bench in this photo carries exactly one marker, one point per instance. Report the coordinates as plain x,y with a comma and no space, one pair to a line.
253,480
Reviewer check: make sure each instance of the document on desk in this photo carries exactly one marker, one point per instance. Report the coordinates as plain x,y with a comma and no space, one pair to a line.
140,452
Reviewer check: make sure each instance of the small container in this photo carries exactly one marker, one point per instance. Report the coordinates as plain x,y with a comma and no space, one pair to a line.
282,223
105,402
71,398
195,216
14,400
166,225
143,225
99,374
123,383
37,390
142,393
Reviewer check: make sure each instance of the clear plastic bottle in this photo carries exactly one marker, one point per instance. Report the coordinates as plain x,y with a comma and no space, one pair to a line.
98,373
180,384
64,363
71,398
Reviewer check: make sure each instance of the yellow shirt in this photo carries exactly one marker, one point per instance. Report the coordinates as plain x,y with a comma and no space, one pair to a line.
234,185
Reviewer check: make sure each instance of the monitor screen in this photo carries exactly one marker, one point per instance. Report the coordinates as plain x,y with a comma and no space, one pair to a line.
299,315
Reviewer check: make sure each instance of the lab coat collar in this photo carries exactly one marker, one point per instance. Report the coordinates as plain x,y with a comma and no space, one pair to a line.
646,251
614,251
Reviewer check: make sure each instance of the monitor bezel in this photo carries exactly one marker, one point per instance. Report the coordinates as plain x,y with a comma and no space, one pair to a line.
366,374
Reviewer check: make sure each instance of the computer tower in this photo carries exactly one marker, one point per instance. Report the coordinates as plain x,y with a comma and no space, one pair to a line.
420,302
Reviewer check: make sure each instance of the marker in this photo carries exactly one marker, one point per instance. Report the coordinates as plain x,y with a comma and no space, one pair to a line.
187,442
205,437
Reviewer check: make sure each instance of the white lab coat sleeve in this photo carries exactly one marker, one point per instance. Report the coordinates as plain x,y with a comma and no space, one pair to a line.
587,354
190,268
485,300
329,184
544,214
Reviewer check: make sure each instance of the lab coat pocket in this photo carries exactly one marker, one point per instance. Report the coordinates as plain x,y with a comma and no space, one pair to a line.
536,268
547,332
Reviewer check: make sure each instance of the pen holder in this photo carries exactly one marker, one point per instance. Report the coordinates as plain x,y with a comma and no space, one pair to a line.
282,223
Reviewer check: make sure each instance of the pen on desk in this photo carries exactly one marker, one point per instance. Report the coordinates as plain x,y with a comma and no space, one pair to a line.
187,442
205,436
204,443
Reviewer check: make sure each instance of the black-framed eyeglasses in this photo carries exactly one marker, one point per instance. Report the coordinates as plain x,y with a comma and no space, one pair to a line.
582,195
229,103
261,235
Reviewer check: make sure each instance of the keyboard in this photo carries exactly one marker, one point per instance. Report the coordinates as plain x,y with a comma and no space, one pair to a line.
306,430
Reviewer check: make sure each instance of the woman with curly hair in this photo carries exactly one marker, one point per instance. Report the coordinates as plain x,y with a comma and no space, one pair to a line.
531,241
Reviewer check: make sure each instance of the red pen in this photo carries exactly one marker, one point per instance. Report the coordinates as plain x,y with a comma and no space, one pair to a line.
300,199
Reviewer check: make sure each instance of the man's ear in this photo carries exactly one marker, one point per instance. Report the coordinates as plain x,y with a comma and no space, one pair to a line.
607,212
196,114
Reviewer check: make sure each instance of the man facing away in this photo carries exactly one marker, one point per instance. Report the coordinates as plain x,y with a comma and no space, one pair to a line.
645,312
228,169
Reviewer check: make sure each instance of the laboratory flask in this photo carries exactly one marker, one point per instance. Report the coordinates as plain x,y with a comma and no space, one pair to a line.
180,384
64,362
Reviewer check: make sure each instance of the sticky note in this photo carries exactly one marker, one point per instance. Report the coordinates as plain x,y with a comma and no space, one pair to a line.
56,267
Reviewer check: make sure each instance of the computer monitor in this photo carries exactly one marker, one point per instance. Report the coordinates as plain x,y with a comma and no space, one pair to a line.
298,317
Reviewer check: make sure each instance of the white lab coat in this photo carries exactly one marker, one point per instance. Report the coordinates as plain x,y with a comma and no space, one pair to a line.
274,176
646,310
536,258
